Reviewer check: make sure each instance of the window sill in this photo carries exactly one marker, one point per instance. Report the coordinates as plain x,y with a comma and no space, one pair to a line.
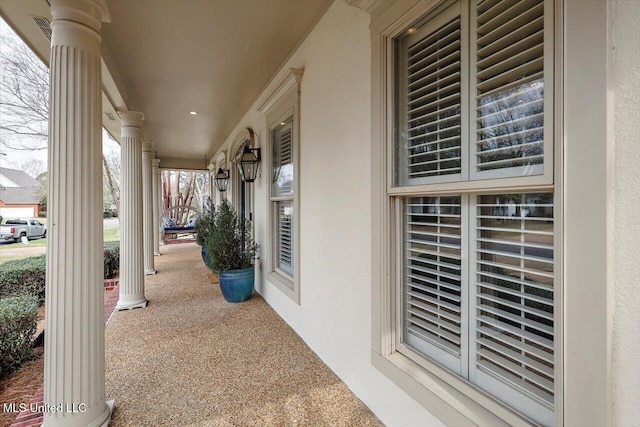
445,396
285,284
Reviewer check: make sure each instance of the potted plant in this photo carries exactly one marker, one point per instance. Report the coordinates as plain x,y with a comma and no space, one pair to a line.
204,227
231,253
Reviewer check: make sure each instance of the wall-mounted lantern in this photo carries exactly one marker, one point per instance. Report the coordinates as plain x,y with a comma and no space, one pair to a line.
249,161
222,179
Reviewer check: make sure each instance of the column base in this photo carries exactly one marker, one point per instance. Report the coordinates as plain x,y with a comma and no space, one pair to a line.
131,305
157,254
150,272
110,404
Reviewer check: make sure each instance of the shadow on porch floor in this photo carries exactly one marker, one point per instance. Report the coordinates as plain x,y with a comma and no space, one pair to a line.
191,358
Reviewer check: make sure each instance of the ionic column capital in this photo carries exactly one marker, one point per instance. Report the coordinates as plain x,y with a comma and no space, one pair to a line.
147,147
131,119
86,12
155,163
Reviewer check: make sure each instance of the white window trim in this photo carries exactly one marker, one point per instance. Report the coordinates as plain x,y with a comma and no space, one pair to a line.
583,183
278,105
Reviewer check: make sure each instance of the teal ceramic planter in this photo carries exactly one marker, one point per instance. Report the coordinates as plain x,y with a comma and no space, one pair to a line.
237,285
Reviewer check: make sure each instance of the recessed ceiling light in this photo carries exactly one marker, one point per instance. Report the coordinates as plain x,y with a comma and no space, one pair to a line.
411,30
282,123
193,113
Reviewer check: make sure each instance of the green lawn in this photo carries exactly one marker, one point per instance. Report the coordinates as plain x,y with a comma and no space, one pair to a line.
111,234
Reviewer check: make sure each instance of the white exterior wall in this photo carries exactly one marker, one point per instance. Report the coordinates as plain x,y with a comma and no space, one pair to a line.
334,315
626,72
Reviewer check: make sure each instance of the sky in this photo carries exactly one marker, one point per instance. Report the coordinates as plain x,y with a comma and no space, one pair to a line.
14,159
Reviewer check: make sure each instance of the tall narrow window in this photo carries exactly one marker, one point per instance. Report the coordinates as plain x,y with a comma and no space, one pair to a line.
282,194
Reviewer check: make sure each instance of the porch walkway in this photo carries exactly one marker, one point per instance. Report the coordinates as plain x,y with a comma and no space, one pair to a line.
191,358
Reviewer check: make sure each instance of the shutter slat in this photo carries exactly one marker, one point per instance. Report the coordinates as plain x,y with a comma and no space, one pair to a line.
434,172
510,267
508,27
435,94
532,363
518,382
523,295
436,253
508,40
536,351
438,102
440,112
509,79
435,339
525,322
434,37
435,317
519,161
515,280
449,44
523,334
438,331
435,282
453,118
516,255
511,147
514,368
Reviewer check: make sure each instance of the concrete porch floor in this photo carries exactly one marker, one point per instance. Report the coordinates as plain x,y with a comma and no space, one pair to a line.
190,358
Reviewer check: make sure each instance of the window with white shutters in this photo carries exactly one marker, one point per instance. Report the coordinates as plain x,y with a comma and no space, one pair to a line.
479,106
282,196
476,260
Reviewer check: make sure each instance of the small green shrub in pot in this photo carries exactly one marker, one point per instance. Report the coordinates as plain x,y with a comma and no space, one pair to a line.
205,223
17,328
231,253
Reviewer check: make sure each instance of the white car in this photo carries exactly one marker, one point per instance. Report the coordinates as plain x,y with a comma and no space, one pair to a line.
16,229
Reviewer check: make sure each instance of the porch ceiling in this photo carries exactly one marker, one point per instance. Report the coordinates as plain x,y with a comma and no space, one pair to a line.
172,57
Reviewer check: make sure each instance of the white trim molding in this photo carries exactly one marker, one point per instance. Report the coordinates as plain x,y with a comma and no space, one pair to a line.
279,105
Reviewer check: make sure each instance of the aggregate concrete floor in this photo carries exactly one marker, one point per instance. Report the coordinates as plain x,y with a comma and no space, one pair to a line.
192,359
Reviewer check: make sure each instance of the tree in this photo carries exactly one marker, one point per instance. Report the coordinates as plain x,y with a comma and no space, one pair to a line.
24,108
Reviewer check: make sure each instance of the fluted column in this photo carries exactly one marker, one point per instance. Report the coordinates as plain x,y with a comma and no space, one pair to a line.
155,176
74,342
131,234
147,210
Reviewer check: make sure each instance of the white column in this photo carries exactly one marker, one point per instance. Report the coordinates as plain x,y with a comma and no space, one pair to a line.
131,229
155,185
74,342
147,207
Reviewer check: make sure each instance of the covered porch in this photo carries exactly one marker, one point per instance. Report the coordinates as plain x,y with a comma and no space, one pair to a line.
383,205
190,358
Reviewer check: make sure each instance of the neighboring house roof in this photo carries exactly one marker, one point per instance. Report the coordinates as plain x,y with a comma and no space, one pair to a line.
20,178
18,195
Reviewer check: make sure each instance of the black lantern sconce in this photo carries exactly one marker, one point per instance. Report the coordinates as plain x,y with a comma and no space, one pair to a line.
249,161
222,179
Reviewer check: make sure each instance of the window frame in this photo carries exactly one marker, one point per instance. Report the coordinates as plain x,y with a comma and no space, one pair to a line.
279,105
449,397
